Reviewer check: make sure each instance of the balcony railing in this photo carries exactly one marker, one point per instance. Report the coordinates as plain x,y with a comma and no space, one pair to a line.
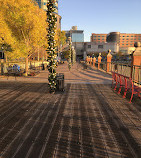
127,70
124,69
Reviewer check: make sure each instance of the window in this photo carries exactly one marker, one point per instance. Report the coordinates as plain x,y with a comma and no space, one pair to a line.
126,44
100,46
89,46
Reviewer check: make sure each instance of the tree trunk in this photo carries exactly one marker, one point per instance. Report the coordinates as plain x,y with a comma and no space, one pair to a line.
26,66
38,54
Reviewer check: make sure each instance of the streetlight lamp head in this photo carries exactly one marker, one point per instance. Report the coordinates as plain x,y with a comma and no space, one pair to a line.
137,44
109,50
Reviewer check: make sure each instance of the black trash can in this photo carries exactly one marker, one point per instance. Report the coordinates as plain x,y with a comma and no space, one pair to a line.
60,82
43,67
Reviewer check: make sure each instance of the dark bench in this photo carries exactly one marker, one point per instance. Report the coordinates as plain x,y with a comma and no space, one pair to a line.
13,72
127,83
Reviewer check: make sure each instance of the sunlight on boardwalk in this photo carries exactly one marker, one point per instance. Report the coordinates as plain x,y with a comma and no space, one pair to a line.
86,121
79,75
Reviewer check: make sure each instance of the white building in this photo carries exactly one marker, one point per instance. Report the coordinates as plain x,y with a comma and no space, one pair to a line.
127,50
93,47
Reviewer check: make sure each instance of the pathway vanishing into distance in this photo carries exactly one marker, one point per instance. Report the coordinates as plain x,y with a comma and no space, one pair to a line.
88,120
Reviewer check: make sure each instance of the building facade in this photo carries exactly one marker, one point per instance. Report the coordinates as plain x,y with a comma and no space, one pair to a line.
43,4
76,35
128,40
93,47
98,38
125,39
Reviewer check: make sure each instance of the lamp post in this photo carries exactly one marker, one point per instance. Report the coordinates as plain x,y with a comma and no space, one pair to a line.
70,44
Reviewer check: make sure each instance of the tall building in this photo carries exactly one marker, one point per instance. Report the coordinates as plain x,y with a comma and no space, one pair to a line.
76,35
128,40
43,4
124,39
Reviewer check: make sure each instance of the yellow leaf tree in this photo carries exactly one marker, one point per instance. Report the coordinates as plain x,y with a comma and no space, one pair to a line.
60,39
25,24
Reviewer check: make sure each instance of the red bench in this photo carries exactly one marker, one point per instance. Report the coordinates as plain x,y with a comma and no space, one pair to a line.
127,83
130,86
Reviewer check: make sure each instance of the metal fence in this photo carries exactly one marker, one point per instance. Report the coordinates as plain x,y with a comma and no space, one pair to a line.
124,69
32,65
136,74
103,66
127,70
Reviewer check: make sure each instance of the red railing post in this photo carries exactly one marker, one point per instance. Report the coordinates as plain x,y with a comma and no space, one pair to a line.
136,61
94,61
99,60
109,57
91,59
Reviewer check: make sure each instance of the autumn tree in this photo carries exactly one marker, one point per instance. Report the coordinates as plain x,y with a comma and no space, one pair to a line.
25,24
60,38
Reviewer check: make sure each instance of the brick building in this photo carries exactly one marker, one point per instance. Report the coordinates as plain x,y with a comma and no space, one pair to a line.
128,40
125,39
98,38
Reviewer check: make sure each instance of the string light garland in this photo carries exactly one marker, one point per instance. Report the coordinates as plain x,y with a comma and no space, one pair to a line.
51,50
70,51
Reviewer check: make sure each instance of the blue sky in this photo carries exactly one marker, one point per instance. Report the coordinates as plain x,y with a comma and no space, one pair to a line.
101,16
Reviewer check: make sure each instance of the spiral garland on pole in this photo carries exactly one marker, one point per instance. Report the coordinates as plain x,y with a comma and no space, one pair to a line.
70,51
51,50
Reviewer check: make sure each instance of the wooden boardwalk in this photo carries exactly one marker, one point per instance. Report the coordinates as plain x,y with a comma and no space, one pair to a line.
86,121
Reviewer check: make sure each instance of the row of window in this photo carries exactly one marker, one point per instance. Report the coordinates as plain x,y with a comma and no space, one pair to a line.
99,36
130,39
99,46
130,36
120,36
120,40
99,39
127,44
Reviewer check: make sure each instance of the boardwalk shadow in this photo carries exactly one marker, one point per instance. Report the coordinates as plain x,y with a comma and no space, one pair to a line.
24,87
